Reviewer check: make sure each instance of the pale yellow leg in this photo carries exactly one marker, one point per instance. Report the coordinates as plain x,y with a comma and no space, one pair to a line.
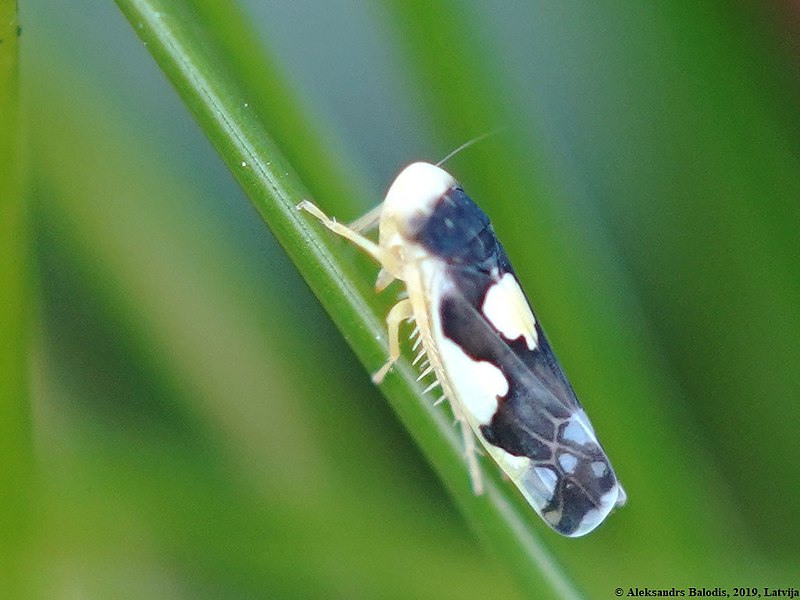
383,281
368,221
472,458
370,247
399,313
470,452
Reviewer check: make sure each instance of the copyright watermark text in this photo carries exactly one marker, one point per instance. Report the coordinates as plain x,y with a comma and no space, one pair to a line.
705,592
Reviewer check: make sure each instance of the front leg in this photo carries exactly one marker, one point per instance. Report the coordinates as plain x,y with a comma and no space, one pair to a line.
370,247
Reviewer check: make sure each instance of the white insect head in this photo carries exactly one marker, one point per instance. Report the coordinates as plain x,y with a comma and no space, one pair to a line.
412,197
415,191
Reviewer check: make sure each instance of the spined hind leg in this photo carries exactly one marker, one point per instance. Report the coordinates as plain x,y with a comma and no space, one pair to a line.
470,452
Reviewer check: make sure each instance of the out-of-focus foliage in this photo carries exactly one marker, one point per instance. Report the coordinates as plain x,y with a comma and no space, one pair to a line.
201,430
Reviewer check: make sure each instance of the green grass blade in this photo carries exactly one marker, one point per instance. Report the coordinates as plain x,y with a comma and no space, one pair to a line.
192,54
16,439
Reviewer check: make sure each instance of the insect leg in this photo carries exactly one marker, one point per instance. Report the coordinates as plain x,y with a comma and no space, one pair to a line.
470,453
399,313
370,247
368,221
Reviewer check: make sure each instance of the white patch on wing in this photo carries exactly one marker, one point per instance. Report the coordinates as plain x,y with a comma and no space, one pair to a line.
568,462
576,431
506,308
548,479
477,384
599,468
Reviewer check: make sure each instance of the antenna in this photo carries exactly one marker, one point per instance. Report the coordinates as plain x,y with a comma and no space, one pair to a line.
469,143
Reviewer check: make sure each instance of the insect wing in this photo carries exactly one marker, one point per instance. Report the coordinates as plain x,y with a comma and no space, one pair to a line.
510,387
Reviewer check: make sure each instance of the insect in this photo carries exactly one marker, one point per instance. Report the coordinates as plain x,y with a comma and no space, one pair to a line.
485,347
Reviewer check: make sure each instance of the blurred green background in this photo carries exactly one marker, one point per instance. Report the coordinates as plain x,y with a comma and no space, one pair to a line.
199,427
